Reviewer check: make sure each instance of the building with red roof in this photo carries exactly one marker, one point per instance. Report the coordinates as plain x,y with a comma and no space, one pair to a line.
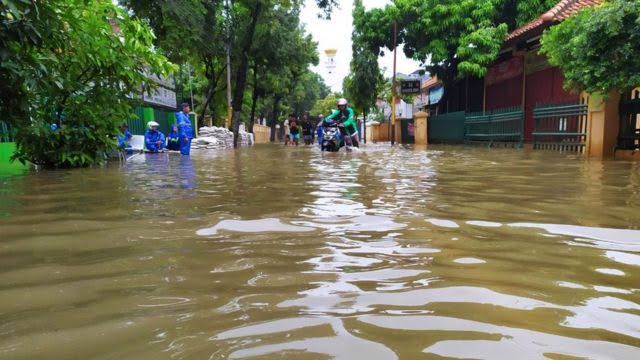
519,78
525,95
523,78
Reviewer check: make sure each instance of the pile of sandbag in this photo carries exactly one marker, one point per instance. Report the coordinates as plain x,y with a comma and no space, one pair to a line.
219,138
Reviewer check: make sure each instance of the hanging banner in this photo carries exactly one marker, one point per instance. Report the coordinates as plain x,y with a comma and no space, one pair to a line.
435,94
504,70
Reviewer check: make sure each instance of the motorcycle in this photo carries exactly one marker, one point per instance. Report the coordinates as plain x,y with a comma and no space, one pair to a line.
331,137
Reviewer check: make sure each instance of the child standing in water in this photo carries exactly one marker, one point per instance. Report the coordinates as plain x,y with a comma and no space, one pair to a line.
294,129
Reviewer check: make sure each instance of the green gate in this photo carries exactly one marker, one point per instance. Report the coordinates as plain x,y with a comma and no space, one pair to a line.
6,132
7,149
446,128
503,126
138,125
560,127
629,135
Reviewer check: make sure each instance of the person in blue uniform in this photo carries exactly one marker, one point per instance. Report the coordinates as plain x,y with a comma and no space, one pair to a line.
124,138
185,131
173,139
153,138
319,129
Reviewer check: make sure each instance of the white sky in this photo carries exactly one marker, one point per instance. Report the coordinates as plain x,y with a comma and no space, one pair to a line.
336,33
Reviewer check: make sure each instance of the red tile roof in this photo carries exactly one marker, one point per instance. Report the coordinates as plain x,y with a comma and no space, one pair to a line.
563,10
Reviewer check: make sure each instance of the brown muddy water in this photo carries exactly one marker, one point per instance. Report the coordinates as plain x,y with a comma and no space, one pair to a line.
273,252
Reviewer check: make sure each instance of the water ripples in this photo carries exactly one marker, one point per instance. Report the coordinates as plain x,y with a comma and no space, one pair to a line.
276,252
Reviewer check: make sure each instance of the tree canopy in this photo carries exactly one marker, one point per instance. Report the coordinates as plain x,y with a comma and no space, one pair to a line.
69,68
325,106
597,49
270,51
361,86
451,37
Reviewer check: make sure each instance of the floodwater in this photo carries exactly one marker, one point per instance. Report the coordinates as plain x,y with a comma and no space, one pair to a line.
273,252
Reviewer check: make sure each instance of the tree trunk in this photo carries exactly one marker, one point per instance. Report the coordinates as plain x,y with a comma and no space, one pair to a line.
274,118
364,126
241,73
213,77
254,98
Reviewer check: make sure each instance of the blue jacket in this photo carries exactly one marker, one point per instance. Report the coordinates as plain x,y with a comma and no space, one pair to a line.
124,138
184,125
151,138
173,135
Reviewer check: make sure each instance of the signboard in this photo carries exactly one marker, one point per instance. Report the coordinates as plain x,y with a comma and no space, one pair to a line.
504,70
410,86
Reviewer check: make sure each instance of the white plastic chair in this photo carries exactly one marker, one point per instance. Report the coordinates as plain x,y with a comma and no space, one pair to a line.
137,143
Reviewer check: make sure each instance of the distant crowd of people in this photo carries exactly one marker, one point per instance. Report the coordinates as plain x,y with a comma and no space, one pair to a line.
343,117
294,128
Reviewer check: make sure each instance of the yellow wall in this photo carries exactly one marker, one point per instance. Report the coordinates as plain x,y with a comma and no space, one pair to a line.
420,123
604,123
261,134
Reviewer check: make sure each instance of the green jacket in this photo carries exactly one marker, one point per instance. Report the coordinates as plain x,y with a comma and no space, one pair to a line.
350,123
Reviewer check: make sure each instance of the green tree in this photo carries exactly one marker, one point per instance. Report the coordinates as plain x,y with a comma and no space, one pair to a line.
598,49
308,90
326,106
83,61
280,59
452,37
361,85
191,33
201,40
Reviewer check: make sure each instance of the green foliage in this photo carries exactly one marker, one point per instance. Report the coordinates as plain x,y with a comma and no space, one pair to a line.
598,49
452,37
309,89
325,106
82,61
528,10
281,55
363,81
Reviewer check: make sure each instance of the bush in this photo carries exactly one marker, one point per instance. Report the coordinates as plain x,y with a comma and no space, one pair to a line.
76,68
598,49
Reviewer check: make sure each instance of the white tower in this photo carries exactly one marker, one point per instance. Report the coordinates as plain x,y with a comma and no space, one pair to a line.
330,62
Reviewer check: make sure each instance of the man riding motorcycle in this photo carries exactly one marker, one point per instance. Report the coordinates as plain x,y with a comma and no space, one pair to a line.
348,126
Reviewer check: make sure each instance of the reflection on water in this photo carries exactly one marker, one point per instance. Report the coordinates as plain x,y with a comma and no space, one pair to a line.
280,252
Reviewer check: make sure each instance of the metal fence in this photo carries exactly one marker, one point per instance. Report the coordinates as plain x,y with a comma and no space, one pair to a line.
502,126
560,127
138,124
6,132
446,128
629,136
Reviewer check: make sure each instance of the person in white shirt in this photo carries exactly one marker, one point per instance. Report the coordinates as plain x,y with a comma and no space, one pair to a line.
287,131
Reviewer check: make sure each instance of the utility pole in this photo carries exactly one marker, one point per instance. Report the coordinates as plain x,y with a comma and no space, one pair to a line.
393,84
228,46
